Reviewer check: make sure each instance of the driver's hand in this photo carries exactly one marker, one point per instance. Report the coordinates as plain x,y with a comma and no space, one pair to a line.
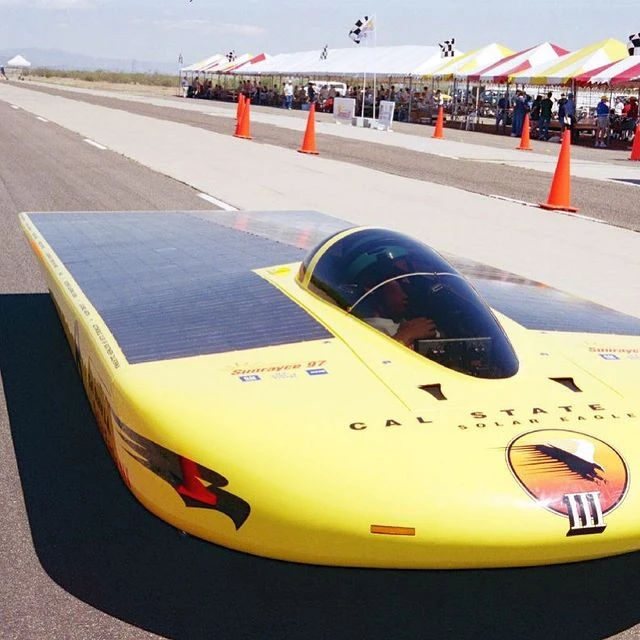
415,329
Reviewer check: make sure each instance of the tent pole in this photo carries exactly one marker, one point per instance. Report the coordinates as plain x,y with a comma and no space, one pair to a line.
454,111
506,109
375,37
410,98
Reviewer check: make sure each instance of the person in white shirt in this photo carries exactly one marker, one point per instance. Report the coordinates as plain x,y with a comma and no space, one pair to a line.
391,303
288,95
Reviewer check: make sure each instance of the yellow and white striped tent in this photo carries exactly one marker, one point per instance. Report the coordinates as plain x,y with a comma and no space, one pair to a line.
461,66
563,69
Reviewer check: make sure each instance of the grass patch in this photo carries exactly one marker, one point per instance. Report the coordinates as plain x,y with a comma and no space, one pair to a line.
114,77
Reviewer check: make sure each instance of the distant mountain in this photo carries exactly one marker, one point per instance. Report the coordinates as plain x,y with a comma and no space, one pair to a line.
55,59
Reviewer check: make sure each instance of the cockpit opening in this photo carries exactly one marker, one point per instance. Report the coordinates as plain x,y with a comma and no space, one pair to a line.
408,291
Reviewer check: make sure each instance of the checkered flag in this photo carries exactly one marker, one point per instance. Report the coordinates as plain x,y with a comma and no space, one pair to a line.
447,48
325,52
634,44
231,56
362,29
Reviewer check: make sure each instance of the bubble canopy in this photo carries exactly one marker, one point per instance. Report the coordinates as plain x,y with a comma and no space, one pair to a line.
390,280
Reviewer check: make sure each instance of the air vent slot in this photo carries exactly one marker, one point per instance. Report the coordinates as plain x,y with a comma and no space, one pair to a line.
435,390
569,383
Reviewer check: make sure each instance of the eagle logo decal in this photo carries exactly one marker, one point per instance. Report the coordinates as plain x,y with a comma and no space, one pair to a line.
570,474
198,486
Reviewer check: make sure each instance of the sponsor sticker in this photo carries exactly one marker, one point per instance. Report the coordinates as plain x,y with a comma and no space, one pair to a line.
317,372
252,378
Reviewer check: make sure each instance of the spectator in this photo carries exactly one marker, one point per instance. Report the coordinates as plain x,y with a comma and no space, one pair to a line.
629,118
561,111
501,112
535,115
323,94
288,94
570,116
546,106
311,92
519,111
602,123
619,106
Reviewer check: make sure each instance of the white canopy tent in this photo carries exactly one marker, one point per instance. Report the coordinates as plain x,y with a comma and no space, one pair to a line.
18,62
399,61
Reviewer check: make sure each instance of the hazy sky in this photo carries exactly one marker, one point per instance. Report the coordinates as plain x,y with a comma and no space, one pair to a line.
159,30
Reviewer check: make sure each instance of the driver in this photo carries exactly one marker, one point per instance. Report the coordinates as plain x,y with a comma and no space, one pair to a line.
389,306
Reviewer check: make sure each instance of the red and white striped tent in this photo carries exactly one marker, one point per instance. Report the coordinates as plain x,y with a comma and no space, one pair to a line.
565,68
220,63
499,71
625,72
245,60
197,67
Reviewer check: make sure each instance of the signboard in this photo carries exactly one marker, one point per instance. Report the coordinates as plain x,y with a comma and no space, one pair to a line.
385,115
343,110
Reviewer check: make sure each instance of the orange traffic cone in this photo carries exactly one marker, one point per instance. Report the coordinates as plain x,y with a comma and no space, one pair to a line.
439,132
244,126
525,138
239,107
560,193
309,140
239,110
635,149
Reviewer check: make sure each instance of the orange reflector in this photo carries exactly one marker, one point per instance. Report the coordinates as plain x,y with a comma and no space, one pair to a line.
393,531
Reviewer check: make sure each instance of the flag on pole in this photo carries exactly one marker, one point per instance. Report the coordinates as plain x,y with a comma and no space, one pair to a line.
634,44
325,52
180,59
362,29
231,56
447,48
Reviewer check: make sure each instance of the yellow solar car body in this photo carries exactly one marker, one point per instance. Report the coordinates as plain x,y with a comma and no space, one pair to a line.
246,399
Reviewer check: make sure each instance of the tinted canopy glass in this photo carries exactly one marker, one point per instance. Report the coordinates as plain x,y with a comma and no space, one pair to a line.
390,280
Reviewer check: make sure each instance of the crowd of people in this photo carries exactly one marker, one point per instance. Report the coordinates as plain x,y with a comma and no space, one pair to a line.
292,96
547,114
607,122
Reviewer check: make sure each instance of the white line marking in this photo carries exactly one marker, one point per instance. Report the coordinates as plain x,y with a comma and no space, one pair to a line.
219,203
571,214
95,144
523,202
42,119
442,155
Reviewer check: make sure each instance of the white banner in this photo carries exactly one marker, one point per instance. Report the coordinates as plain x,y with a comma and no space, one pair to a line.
343,110
385,114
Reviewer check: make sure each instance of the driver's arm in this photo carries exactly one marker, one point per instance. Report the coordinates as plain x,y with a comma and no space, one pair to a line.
415,329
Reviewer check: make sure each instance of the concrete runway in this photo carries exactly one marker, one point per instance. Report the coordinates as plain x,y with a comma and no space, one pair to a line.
80,558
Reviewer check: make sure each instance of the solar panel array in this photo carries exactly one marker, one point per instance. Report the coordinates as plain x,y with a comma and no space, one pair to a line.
173,285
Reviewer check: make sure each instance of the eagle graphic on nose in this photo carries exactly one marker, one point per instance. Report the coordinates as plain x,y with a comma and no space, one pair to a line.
173,469
572,456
